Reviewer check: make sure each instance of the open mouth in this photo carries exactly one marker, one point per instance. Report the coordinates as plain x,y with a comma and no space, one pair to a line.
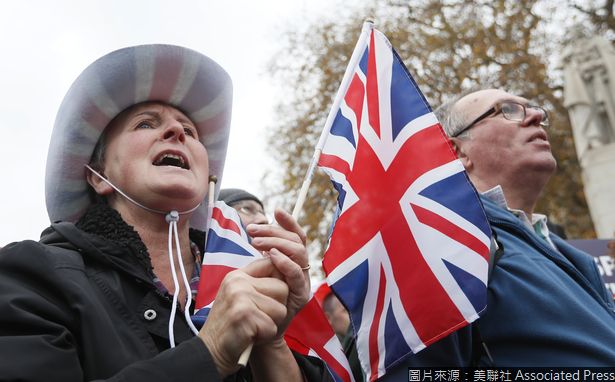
169,159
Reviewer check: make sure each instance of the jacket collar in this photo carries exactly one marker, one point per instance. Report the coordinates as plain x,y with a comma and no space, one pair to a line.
102,236
104,222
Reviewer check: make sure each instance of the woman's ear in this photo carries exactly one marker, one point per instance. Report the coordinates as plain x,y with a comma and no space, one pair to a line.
99,185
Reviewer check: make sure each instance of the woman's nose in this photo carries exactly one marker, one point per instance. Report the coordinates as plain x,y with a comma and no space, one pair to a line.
174,131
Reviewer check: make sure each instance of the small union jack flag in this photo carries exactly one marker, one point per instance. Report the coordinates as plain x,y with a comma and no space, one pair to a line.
408,254
227,249
311,334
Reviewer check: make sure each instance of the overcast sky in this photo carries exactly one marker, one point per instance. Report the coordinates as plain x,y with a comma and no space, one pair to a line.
46,44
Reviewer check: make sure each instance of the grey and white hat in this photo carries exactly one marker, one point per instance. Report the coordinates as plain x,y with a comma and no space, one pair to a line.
181,77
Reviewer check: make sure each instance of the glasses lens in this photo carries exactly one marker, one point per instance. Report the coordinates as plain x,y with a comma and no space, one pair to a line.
513,111
251,210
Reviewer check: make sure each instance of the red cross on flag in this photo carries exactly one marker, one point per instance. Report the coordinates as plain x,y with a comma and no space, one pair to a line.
408,254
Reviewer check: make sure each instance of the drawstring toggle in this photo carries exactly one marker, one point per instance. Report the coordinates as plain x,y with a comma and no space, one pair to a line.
172,216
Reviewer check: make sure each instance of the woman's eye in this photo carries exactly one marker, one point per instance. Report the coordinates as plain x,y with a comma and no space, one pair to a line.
144,125
189,132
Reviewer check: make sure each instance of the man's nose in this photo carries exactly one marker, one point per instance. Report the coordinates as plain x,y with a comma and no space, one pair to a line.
260,218
533,117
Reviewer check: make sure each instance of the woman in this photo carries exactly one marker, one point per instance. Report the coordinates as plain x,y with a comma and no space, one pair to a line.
99,296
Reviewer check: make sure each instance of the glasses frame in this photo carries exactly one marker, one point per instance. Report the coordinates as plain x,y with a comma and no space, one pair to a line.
497,109
250,211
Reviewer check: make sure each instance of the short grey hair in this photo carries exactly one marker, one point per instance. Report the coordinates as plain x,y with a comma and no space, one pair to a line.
452,120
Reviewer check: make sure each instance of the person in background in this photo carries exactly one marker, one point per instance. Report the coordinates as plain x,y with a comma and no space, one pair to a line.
340,324
107,293
336,314
338,317
546,303
249,207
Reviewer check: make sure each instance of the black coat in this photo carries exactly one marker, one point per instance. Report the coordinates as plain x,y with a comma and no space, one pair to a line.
72,308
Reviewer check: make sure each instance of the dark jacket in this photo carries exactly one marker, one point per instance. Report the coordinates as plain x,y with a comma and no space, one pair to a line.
545,307
73,309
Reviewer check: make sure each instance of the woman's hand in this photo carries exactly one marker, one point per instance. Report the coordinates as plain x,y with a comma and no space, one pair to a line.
285,244
256,303
250,306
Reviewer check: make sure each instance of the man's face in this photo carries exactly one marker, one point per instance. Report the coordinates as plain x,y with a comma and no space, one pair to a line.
250,212
154,155
337,315
500,148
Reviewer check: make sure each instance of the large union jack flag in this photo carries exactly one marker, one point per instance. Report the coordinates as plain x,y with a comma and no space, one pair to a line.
408,254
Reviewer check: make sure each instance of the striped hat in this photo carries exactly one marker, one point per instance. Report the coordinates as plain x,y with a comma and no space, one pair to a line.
178,76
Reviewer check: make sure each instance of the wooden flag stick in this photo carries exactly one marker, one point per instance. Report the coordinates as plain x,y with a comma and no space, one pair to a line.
245,356
348,75
210,203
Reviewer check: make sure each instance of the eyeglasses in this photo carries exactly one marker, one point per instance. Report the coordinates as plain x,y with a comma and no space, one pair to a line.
513,111
249,210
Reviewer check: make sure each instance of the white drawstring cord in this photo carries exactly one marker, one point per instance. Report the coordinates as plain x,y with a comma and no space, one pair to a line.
184,277
172,218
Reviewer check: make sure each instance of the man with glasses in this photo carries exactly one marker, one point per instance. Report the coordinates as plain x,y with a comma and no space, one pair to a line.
249,207
547,305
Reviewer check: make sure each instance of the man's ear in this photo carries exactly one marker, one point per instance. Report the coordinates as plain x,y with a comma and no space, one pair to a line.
100,186
458,146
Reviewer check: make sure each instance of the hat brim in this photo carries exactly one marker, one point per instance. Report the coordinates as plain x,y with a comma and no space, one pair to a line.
178,76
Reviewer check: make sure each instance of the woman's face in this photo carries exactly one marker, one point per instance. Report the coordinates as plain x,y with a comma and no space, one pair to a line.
154,155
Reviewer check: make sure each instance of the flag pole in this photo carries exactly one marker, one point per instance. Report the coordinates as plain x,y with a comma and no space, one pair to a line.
368,25
210,204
